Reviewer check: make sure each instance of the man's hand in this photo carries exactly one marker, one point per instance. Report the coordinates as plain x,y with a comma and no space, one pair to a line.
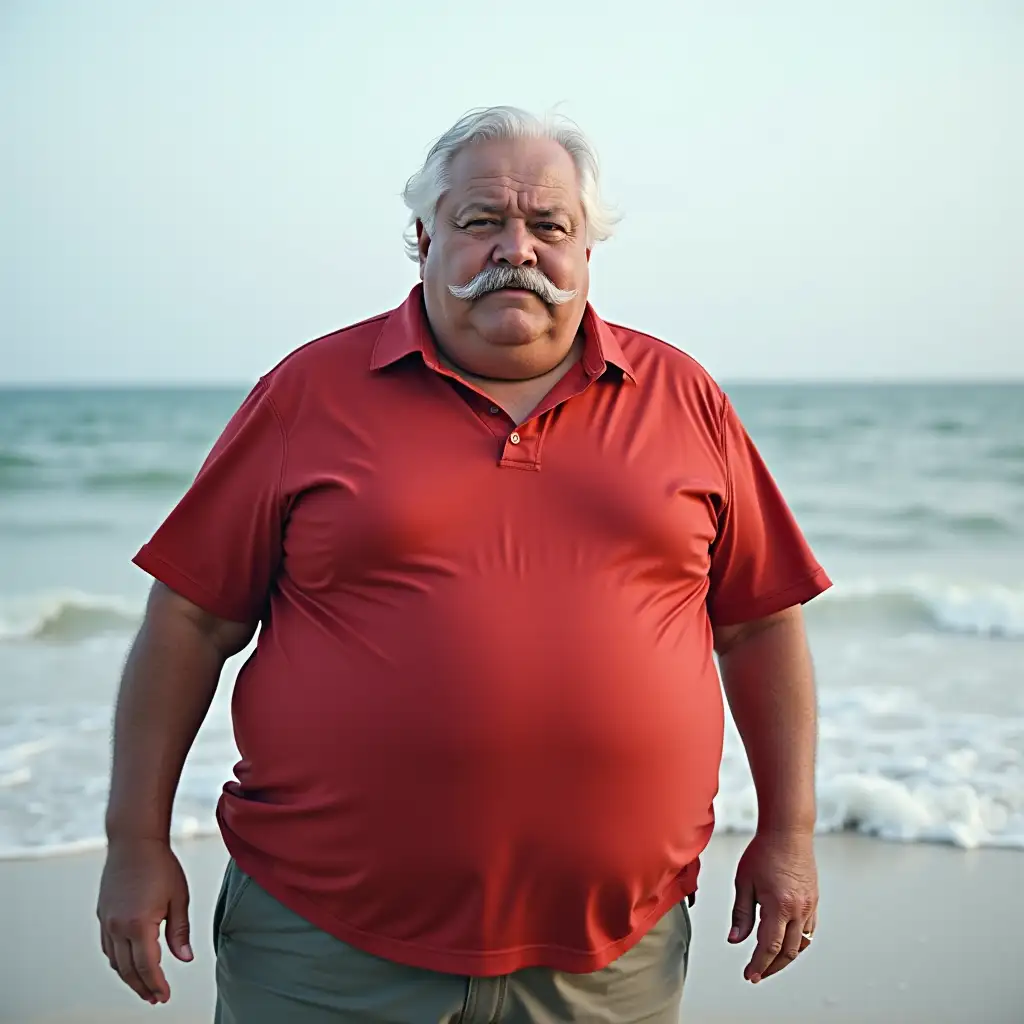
142,886
778,872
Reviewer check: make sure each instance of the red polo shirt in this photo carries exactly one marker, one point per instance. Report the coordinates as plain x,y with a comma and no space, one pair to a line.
482,726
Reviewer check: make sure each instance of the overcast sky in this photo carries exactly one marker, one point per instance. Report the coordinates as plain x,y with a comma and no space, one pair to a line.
188,190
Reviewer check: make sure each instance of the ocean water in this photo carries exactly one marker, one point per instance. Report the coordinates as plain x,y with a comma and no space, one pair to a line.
912,496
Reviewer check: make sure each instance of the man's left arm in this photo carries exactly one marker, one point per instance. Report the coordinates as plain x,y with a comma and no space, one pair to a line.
769,684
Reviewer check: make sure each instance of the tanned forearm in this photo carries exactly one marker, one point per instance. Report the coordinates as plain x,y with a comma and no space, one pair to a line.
168,682
769,683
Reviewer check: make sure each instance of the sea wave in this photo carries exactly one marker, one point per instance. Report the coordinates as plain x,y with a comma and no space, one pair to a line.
982,610
947,425
157,480
871,804
971,524
25,527
67,617
1012,452
31,478
15,460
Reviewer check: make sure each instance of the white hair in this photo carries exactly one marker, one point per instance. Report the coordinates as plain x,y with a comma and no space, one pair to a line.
423,191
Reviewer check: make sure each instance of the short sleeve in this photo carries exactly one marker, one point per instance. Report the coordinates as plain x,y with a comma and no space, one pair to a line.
760,561
221,544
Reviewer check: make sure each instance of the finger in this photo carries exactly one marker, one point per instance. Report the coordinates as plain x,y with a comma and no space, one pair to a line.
770,934
177,931
146,957
107,945
126,969
742,912
793,943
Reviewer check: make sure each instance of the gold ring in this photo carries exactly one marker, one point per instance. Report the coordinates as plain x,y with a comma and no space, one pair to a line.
809,936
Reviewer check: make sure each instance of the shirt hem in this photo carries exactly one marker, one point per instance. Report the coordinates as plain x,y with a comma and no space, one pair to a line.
473,963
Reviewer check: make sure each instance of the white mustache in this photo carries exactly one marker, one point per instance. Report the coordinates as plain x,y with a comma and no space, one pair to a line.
493,279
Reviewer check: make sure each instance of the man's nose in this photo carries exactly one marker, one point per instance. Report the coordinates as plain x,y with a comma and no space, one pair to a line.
515,245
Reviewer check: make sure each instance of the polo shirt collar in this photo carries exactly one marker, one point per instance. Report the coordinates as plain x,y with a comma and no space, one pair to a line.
407,331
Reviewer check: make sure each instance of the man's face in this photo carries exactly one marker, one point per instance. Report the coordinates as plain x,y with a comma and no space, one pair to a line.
510,203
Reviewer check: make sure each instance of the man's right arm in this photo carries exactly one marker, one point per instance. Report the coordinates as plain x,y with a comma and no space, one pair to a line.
169,680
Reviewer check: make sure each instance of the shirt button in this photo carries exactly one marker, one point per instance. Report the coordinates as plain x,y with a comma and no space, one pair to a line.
514,438
494,410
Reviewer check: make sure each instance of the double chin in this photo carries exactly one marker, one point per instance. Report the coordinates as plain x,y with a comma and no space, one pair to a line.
513,327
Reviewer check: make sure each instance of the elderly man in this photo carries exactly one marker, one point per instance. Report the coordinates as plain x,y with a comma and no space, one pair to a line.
492,544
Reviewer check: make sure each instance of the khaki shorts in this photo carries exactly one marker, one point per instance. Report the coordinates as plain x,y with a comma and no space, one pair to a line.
275,967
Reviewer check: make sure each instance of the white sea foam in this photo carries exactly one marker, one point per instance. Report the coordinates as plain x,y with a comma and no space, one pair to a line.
891,767
54,764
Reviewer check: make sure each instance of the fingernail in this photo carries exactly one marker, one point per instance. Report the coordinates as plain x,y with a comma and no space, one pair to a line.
755,979
734,934
186,951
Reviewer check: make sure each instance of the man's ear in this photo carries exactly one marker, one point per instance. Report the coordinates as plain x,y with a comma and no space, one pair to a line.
422,244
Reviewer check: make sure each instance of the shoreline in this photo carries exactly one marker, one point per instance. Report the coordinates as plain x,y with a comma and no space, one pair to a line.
907,933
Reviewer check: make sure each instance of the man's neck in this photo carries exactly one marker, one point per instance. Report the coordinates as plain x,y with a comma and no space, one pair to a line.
518,397
553,374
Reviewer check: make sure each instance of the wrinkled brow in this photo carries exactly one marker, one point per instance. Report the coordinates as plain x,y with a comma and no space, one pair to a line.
500,209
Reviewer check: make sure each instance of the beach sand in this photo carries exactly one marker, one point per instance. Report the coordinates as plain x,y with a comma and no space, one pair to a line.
907,933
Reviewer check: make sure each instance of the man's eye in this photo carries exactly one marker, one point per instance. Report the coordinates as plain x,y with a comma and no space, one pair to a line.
478,222
549,227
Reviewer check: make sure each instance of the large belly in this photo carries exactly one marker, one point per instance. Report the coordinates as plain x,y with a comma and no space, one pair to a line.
571,736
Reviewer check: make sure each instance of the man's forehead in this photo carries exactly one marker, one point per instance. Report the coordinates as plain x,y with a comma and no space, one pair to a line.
501,194
536,168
